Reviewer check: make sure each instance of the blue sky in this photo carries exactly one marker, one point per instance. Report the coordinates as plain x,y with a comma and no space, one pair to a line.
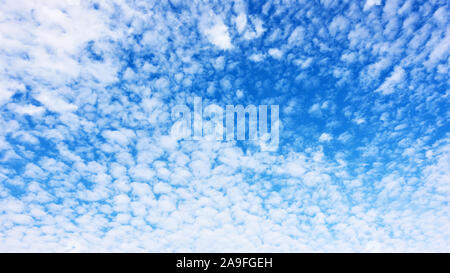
87,161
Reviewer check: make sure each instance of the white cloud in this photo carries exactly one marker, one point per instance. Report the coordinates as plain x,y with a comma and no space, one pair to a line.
257,57
142,173
241,22
257,29
339,24
54,103
275,53
239,93
217,33
371,3
28,109
296,37
397,77
324,137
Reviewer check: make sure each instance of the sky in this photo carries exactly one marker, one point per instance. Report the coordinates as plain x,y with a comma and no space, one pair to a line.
88,162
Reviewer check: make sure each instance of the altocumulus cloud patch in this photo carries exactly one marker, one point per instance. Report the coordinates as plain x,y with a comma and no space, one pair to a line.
88,161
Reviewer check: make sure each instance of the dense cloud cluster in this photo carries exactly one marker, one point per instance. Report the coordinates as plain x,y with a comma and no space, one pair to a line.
88,163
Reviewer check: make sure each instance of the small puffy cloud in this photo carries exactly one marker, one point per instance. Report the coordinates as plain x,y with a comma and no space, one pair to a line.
388,86
54,102
162,188
441,15
324,137
217,33
239,93
122,137
339,24
28,109
344,137
295,168
142,173
257,29
219,63
257,57
315,109
371,3
275,53
359,120
241,22
296,37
